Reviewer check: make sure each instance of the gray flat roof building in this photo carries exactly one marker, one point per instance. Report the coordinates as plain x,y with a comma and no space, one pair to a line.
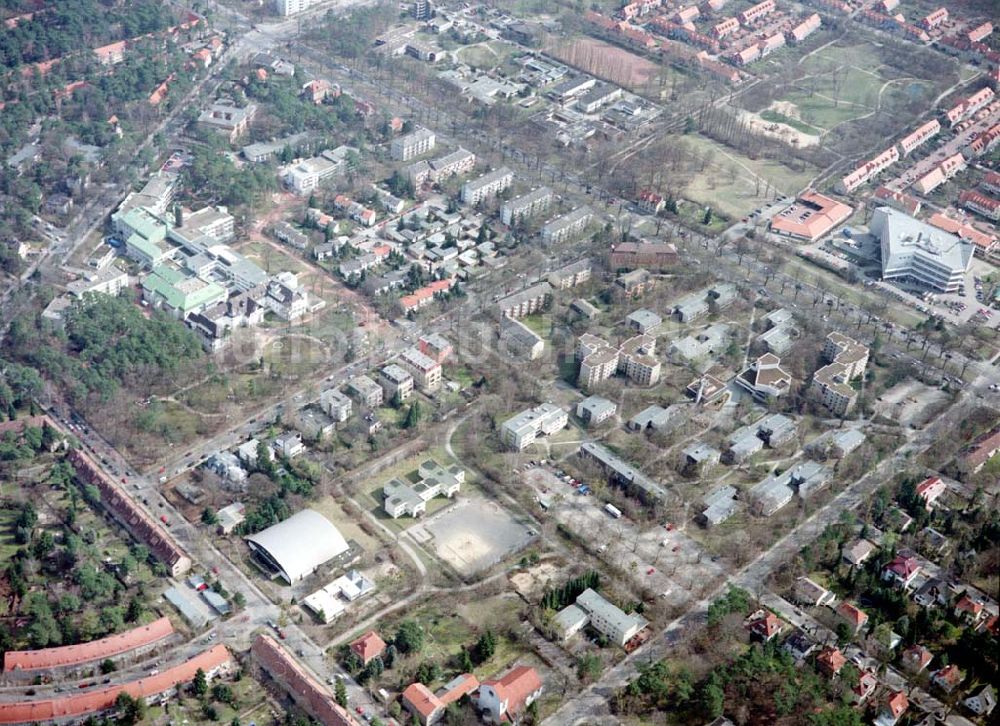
644,320
622,473
595,409
912,249
568,225
526,205
720,505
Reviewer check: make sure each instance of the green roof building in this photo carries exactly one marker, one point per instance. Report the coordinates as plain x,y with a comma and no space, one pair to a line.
145,236
181,294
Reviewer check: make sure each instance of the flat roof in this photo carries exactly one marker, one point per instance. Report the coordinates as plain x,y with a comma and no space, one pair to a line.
904,236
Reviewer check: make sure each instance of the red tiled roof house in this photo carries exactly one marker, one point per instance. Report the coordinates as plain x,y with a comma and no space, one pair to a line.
368,646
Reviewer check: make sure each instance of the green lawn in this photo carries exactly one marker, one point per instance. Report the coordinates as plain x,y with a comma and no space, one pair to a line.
824,112
486,55
459,374
295,356
7,544
270,259
842,84
728,185
539,325
900,314
780,118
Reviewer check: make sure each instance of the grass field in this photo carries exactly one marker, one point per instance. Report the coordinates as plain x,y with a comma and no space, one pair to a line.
843,83
540,325
270,259
728,185
331,509
7,544
486,55
295,356
780,118
453,627
811,274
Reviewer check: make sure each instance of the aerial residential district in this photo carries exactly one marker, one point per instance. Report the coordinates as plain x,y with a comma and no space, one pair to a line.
413,362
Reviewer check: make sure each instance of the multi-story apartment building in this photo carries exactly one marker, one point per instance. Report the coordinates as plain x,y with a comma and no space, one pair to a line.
846,360
604,617
435,346
968,106
526,302
619,472
412,145
230,121
425,370
365,391
458,162
599,361
109,281
520,432
292,7
304,176
568,225
518,341
486,186
765,379
336,405
571,275
934,19
526,205
648,255
396,383
726,27
804,29
940,174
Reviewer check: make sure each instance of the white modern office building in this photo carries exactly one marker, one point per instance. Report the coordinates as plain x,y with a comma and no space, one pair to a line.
916,251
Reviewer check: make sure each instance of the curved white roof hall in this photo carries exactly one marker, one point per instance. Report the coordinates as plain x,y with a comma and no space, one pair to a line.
300,544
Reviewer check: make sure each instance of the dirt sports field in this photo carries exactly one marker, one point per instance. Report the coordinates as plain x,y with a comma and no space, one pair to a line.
473,535
606,61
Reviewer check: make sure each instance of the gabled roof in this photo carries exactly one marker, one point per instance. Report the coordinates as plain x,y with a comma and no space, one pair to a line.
852,614
767,626
462,685
515,686
897,703
74,705
368,646
917,657
949,676
859,551
903,566
968,605
70,655
928,485
866,684
419,698
831,660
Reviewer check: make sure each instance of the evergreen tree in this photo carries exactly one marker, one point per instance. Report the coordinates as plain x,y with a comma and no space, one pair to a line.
200,683
340,693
